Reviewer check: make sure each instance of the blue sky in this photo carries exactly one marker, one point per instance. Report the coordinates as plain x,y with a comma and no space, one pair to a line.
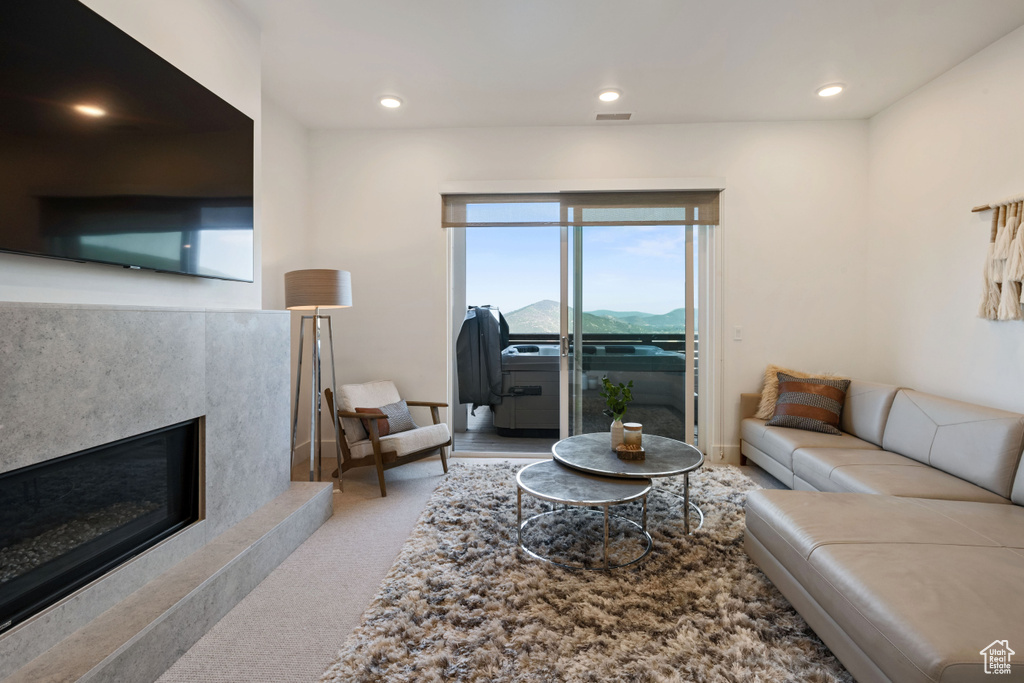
625,268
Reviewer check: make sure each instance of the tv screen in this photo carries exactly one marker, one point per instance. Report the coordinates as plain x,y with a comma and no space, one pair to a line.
108,153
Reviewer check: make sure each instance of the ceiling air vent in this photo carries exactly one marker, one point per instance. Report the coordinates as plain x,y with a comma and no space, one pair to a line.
613,117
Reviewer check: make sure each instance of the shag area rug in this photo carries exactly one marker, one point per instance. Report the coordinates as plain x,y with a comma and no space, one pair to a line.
461,603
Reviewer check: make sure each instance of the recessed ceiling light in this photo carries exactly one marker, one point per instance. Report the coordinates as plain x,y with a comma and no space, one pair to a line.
90,110
830,90
390,102
609,95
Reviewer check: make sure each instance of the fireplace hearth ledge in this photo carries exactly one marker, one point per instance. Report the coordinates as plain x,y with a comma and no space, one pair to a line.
143,635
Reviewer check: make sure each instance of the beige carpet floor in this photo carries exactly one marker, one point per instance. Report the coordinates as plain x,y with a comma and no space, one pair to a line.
289,628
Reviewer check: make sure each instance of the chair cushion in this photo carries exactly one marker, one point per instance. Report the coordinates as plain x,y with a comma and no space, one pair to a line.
816,465
810,404
780,442
406,442
981,445
368,395
914,583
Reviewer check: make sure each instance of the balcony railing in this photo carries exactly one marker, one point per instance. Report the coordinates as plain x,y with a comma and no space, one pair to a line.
669,342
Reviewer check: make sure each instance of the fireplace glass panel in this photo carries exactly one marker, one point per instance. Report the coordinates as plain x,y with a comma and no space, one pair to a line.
66,521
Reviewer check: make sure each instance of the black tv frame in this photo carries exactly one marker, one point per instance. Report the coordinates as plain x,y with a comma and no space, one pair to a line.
52,30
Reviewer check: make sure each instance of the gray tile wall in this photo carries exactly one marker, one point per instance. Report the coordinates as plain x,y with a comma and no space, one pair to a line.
248,436
74,377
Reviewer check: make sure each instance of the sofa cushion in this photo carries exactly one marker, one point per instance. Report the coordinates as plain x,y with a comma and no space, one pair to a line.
810,519
1018,485
405,442
913,482
768,464
866,409
981,445
780,442
815,465
914,583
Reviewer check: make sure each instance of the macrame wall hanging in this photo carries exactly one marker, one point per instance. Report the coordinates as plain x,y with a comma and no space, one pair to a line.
1004,265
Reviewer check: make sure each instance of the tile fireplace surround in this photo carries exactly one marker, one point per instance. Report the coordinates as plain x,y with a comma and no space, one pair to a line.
74,377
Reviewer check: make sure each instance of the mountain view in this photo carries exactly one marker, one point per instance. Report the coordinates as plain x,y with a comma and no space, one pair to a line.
542,317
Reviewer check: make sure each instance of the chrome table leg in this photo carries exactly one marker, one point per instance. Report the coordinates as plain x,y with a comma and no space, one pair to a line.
519,515
606,536
686,503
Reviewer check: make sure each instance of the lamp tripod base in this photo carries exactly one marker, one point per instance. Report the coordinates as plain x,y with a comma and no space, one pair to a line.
316,395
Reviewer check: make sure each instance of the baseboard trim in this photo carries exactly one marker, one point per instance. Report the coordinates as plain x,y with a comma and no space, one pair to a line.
499,454
300,454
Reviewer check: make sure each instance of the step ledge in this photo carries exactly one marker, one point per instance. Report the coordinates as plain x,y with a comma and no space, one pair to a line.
143,635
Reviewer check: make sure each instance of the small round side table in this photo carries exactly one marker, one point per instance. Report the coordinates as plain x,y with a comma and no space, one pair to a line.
557,484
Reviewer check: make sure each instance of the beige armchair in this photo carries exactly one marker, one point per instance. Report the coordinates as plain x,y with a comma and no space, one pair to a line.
359,447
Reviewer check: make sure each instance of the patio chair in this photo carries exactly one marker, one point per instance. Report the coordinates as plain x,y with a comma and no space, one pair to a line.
382,438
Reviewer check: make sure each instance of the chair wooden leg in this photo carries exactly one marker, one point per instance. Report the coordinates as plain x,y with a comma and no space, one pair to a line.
444,458
380,475
743,459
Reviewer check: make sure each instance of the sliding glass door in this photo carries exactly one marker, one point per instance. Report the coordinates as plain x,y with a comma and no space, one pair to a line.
583,287
513,273
632,320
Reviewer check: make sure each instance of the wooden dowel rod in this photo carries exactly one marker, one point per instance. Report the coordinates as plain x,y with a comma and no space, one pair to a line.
996,205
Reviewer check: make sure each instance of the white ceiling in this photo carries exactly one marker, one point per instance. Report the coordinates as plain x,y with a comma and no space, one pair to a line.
543,62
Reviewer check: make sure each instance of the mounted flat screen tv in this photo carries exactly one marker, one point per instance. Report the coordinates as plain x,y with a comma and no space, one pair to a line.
110,154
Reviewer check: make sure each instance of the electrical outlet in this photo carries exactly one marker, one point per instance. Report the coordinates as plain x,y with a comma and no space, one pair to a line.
737,333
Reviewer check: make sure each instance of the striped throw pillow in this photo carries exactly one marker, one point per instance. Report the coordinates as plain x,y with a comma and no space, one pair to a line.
399,418
809,403
383,429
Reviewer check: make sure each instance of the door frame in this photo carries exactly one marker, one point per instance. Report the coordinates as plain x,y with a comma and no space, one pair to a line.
711,256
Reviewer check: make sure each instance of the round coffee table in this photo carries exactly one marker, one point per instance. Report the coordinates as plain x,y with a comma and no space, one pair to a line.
663,457
551,482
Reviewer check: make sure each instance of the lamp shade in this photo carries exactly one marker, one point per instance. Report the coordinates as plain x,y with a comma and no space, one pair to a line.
317,288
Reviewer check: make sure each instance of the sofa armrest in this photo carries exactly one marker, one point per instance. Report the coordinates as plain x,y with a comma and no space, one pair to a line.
749,404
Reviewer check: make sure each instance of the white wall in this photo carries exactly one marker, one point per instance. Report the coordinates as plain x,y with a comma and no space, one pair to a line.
215,43
793,211
955,143
286,239
285,200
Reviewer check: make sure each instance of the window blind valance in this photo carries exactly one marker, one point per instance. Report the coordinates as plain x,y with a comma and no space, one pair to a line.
580,209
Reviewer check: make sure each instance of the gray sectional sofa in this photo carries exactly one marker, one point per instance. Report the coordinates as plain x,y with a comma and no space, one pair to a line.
903,543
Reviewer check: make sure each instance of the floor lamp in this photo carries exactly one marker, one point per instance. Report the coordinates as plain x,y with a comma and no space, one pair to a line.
311,290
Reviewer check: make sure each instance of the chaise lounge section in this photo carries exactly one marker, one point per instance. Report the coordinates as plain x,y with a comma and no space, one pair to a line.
905,549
